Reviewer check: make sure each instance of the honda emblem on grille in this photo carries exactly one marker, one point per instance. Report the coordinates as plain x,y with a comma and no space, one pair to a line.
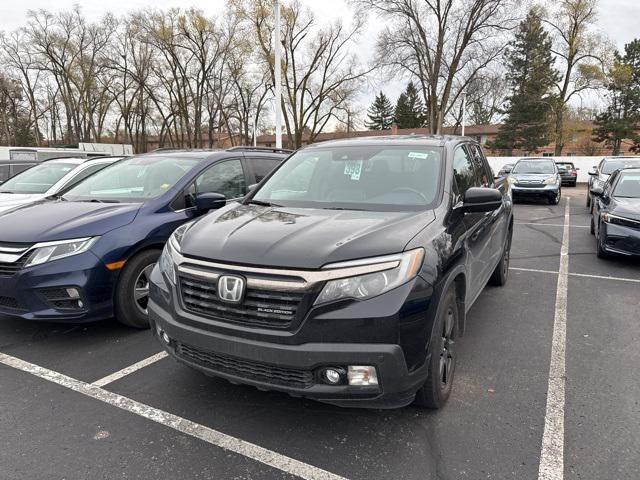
230,288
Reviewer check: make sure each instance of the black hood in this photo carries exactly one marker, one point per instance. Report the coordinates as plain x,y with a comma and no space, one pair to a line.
299,237
625,207
61,220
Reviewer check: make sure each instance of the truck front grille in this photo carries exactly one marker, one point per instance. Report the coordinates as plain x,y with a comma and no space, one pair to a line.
251,370
260,308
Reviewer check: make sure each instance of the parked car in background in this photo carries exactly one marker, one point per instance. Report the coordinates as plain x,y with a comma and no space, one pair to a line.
600,173
345,277
47,179
615,219
568,173
536,178
88,255
506,169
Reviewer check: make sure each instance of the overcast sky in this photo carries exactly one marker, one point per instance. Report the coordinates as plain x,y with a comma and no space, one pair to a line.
619,19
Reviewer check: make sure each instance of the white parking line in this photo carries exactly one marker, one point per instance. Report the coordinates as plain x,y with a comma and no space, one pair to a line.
552,224
583,275
552,452
130,369
209,435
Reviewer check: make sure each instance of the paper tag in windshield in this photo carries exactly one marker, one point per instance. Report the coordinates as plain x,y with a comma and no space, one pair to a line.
420,155
353,168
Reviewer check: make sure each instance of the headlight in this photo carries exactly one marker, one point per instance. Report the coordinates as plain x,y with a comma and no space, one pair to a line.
551,181
49,251
616,220
166,263
512,180
372,284
176,237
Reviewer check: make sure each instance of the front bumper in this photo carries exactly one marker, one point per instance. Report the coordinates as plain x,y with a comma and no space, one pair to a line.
27,294
270,361
620,240
548,191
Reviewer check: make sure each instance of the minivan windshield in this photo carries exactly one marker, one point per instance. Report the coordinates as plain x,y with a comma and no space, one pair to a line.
357,178
37,179
136,179
534,166
611,166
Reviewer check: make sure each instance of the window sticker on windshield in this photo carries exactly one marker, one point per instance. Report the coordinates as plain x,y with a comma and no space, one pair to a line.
353,168
420,155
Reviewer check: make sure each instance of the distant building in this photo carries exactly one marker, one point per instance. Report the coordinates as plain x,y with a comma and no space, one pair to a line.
578,143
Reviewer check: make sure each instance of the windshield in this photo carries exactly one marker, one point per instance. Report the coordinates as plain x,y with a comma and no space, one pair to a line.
357,178
37,179
611,166
136,179
566,166
628,186
534,166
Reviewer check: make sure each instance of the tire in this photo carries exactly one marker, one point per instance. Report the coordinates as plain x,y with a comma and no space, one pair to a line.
501,273
555,200
130,302
600,252
592,226
588,200
442,362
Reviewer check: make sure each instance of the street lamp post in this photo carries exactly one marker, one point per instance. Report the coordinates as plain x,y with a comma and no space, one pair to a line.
278,79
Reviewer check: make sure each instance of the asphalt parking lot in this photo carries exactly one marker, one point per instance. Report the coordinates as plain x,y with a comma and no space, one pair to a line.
567,325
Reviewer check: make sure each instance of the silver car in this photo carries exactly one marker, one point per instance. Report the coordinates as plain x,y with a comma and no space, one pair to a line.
47,179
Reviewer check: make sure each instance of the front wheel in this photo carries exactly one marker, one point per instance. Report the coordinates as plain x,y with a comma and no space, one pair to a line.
442,363
132,291
555,200
600,251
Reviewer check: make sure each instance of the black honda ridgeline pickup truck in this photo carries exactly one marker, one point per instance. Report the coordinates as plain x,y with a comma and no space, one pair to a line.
345,276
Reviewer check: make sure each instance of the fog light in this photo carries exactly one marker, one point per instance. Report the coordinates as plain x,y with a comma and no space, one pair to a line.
362,375
73,293
332,376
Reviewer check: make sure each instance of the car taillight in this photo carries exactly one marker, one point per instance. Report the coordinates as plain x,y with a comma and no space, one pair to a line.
574,173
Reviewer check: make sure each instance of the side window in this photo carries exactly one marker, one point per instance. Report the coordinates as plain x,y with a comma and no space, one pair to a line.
483,168
464,171
225,177
261,167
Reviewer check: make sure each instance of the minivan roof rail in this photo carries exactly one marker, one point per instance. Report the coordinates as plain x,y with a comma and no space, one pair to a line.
259,149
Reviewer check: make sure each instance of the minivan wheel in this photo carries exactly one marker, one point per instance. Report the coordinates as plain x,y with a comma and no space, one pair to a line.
442,363
132,291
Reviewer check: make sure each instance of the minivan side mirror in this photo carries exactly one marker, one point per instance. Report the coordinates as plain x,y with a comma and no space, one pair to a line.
210,201
478,199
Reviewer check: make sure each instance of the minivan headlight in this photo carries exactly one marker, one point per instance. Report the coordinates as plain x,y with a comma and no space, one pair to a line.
49,251
372,284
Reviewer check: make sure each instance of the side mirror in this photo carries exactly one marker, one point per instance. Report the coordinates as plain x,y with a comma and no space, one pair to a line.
597,191
210,201
478,199
577,168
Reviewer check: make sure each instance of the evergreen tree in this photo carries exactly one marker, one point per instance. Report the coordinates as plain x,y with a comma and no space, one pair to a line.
380,113
531,77
409,109
621,119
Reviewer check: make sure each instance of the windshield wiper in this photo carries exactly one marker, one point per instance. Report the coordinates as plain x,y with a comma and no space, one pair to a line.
263,204
344,208
97,200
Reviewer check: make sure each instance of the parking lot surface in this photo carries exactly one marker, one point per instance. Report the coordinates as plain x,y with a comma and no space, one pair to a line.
505,417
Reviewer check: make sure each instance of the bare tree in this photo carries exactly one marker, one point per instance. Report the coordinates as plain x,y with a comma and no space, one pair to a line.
320,72
580,53
444,44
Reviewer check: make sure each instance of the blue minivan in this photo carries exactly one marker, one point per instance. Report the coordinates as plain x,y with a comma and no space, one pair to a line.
88,255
